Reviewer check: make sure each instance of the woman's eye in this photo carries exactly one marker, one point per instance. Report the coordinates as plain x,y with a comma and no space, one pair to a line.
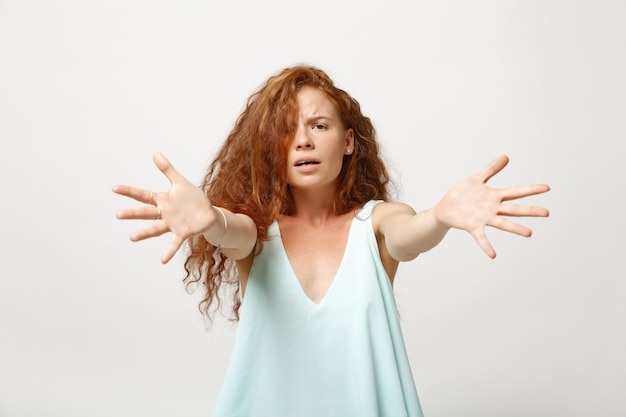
319,127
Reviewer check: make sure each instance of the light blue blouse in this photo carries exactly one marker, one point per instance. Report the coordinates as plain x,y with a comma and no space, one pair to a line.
343,357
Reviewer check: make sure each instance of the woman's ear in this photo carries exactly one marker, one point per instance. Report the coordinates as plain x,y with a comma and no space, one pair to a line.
349,142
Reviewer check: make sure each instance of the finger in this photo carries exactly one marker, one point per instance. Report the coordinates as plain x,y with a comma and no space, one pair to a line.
139,213
138,194
480,238
507,225
166,168
517,210
172,248
493,168
513,193
157,229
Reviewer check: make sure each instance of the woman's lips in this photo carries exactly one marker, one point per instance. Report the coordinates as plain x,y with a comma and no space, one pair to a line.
307,165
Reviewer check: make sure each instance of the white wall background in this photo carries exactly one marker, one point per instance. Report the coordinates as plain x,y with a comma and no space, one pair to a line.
93,325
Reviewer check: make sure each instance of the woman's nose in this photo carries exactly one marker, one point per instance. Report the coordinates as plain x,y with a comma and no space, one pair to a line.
303,139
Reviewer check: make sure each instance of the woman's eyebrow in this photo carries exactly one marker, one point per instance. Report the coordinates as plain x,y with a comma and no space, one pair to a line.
314,119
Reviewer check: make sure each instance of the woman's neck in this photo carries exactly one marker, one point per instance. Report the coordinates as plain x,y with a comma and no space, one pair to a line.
314,206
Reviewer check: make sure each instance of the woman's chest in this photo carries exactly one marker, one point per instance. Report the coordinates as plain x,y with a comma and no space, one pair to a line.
315,255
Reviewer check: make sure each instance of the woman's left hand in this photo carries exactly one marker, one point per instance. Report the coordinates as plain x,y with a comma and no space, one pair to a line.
471,205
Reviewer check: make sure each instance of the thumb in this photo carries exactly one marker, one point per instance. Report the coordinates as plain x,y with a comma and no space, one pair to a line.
166,167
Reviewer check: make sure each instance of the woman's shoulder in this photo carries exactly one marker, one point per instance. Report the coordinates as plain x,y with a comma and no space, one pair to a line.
385,209
382,212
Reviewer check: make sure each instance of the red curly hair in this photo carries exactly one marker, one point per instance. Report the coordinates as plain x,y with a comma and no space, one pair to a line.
249,173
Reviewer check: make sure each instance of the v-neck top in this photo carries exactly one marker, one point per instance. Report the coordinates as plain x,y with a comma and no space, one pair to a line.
343,357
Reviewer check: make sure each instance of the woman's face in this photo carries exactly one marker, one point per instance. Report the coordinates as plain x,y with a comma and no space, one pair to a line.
320,143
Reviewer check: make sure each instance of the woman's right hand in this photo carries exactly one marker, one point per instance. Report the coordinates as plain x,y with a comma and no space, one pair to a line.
183,210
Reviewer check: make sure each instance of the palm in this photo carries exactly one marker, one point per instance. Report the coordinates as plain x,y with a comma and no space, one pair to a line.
183,210
471,205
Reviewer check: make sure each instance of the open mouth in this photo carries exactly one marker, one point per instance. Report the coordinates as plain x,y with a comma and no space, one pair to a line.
304,163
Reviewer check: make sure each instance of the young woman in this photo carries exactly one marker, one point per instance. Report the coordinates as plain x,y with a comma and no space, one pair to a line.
294,216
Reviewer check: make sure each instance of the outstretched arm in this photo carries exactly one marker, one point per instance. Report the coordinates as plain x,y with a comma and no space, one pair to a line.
185,211
469,205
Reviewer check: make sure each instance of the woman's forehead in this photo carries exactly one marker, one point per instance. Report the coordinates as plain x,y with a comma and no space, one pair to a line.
313,102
